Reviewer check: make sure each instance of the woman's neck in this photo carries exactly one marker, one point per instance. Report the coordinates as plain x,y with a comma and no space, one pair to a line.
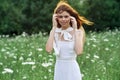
65,27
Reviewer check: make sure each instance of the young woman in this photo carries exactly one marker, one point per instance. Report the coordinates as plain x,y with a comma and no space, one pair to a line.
67,39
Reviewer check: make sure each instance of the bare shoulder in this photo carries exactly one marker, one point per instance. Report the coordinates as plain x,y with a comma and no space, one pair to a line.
79,31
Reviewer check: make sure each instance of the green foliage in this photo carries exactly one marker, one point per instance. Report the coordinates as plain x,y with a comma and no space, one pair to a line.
8,14
29,16
104,13
33,16
24,57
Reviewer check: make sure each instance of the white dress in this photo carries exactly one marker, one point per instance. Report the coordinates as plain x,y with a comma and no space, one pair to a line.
66,66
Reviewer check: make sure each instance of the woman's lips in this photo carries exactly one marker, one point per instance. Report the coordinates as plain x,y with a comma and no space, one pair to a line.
63,22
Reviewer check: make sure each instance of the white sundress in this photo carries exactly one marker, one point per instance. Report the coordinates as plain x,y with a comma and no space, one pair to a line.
66,66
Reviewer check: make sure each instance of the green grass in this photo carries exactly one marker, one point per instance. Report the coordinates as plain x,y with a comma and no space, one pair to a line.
24,57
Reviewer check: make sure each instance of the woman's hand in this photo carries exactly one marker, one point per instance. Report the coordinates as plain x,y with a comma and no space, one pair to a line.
54,20
74,22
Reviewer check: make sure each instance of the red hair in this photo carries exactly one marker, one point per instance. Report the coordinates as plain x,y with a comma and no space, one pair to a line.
63,6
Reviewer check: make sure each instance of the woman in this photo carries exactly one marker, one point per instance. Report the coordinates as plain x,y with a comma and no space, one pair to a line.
67,39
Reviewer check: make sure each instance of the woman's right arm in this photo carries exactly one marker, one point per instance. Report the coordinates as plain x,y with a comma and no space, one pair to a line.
49,44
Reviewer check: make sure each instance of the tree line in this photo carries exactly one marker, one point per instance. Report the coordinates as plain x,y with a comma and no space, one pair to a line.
33,16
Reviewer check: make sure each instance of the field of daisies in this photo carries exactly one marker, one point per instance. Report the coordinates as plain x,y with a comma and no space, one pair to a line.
24,57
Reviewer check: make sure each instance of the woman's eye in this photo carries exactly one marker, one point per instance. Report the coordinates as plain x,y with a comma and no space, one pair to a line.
66,16
63,16
60,16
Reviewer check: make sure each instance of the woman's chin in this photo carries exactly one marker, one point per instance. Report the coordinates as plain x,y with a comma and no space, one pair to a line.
64,24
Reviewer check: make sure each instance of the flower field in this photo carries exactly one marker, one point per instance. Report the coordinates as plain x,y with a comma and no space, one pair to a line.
24,57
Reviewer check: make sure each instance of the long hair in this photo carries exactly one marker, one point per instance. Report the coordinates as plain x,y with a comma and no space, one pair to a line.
64,6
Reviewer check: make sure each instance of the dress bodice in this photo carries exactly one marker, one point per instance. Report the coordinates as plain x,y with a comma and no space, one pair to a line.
64,49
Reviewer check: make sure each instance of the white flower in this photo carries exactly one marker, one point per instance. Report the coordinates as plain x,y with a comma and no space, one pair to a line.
95,56
33,67
29,59
106,49
21,58
45,77
49,70
24,34
112,45
3,49
30,54
1,63
7,70
93,61
24,77
46,64
88,56
82,75
51,59
88,43
40,49
94,45
28,63
40,55
106,40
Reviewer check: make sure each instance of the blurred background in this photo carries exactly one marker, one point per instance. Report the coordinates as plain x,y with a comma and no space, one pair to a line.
33,16
24,29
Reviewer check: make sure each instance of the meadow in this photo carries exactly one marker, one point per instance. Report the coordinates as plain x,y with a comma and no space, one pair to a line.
23,57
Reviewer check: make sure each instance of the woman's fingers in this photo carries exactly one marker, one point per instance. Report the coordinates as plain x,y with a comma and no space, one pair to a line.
54,20
74,22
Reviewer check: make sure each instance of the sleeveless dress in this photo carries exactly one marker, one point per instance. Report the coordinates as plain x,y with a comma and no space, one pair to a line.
66,66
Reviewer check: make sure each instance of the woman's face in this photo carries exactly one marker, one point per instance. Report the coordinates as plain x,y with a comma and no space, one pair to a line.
64,19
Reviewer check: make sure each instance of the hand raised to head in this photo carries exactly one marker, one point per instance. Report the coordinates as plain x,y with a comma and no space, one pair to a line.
54,20
74,22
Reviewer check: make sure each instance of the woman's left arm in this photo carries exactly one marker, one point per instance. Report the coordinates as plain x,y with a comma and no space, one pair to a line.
78,37
78,41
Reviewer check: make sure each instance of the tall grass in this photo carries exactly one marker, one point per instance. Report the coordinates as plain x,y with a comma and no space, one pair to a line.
24,57
101,56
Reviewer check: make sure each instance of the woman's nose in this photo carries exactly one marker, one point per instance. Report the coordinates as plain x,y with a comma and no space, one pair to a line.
63,18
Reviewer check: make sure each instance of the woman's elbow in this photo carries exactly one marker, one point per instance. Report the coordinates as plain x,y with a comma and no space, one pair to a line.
79,52
49,50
